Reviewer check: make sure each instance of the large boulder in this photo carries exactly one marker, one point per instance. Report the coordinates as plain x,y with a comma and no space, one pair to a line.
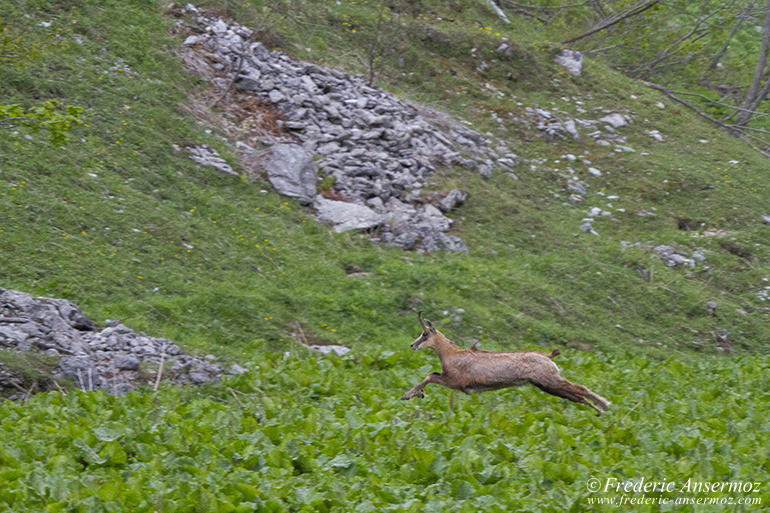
291,170
346,216
572,60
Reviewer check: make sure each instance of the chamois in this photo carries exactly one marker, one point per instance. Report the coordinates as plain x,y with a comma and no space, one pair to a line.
474,370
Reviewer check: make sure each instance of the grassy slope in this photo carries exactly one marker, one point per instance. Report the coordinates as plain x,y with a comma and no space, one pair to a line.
220,266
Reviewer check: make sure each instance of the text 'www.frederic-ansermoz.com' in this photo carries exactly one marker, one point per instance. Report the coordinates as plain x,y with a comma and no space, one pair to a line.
640,491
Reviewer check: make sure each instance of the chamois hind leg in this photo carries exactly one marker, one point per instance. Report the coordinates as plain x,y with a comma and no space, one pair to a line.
596,398
560,387
417,390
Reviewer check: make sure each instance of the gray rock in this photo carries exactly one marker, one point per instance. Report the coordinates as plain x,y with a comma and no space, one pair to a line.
338,350
190,40
671,257
572,60
615,119
207,156
452,200
577,186
346,216
291,170
248,81
200,376
126,362
219,27
586,227
766,219
676,259
376,204
570,127
655,134
121,388
276,96
453,243
82,370
433,217
237,369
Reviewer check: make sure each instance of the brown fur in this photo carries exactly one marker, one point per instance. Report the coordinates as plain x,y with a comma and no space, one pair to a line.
476,370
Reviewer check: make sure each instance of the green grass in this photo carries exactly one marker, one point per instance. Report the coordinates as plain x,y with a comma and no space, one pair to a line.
31,371
130,229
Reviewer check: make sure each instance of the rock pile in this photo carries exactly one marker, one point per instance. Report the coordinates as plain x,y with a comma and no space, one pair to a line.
673,255
379,149
556,124
114,359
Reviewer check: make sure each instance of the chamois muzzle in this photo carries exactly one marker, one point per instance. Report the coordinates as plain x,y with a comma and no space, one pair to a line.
420,340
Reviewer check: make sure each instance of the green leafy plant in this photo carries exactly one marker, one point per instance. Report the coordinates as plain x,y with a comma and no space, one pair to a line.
52,117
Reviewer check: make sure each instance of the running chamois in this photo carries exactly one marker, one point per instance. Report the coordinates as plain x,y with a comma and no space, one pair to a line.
474,370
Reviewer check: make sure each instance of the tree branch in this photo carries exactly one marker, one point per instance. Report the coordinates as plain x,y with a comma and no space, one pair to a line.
737,130
638,9
545,7
668,92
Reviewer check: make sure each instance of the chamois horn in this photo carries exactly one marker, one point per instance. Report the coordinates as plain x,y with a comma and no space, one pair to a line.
419,317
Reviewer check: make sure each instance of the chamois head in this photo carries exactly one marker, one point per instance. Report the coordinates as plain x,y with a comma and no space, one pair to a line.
426,339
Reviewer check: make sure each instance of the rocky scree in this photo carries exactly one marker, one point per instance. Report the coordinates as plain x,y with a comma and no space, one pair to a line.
114,359
380,150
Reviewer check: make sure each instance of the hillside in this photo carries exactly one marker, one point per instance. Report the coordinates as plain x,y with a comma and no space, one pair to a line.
638,248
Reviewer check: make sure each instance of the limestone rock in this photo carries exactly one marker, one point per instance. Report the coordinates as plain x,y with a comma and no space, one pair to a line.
453,199
615,119
572,60
207,156
338,350
346,216
291,170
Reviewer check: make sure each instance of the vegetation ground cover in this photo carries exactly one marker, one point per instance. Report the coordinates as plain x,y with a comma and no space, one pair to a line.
130,229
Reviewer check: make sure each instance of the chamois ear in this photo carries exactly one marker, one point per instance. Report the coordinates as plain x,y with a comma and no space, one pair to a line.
430,327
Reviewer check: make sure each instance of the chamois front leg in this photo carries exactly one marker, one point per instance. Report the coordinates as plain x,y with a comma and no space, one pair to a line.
417,390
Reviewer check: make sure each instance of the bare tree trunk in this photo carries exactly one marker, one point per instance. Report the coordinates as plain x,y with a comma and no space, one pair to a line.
741,18
755,94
